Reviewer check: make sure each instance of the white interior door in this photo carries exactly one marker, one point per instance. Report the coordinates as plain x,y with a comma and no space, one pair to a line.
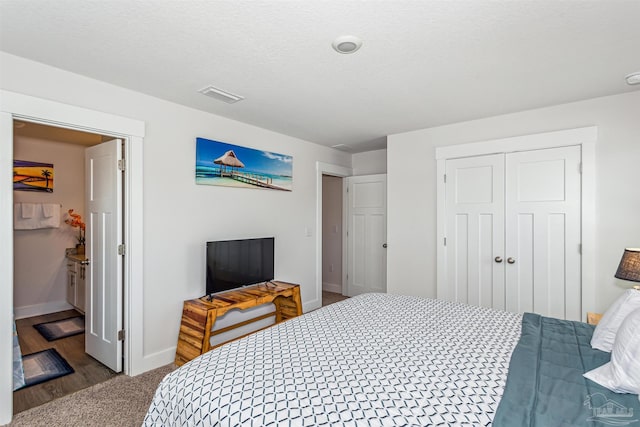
366,234
543,193
475,231
103,307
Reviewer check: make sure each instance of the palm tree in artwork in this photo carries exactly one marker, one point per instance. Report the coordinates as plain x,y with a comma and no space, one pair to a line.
47,175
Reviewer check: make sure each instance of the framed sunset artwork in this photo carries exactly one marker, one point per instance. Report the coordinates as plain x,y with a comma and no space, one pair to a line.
32,176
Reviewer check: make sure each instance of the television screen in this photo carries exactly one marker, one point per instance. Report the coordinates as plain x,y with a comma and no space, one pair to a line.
235,263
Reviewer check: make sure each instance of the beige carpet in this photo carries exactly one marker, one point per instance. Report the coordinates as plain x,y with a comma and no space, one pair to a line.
119,402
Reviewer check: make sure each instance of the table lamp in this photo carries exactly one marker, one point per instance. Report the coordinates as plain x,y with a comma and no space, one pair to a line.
629,268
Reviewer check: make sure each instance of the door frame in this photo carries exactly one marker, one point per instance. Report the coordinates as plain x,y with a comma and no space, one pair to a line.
585,137
342,172
37,110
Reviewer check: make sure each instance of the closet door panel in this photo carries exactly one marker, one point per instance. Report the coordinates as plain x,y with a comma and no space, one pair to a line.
475,230
543,232
519,287
462,269
485,293
556,248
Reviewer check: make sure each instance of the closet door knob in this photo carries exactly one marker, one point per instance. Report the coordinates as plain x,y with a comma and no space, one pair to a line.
511,260
498,259
384,245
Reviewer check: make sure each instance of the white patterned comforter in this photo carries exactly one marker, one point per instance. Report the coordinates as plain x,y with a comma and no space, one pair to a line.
372,360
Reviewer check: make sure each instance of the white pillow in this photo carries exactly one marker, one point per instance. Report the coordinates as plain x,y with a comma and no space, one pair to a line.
605,332
622,373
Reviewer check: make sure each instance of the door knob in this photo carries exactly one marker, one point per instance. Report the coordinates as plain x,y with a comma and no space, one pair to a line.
511,260
384,245
498,259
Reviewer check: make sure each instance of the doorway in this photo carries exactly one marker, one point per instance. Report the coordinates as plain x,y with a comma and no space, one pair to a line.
50,266
324,169
332,239
23,107
364,220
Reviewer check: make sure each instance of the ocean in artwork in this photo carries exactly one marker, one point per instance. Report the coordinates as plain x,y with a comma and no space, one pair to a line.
229,165
32,176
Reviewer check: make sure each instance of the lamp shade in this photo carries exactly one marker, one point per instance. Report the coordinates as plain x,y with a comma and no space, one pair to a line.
629,268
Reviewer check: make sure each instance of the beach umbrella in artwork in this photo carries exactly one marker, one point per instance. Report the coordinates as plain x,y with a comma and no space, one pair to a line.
229,159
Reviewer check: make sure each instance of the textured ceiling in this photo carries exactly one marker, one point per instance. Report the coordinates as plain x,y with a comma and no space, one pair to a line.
422,64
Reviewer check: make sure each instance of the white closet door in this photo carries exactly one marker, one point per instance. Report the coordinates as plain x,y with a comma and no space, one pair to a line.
475,231
543,232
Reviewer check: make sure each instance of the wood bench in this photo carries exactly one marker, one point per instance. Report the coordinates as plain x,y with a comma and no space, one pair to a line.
199,315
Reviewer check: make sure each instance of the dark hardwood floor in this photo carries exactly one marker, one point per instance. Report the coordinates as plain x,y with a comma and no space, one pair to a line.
88,371
331,297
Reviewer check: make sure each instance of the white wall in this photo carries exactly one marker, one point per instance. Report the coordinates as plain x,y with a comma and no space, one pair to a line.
180,216
40,270
370,162
412,187
332,233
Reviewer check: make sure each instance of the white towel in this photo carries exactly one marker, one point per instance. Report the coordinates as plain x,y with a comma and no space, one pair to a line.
38,220
20,223
49,209
28,210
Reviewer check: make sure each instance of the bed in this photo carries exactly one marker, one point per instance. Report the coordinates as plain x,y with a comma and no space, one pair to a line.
375,360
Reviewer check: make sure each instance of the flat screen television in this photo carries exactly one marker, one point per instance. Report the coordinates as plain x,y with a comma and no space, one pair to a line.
232,264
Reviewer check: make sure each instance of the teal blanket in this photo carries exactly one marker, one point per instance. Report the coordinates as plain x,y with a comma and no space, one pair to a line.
545,386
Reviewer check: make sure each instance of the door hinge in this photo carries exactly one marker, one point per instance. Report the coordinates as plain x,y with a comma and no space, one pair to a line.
122,249
347,188
580,248
122,164
445,178
580,167
121,335
445,241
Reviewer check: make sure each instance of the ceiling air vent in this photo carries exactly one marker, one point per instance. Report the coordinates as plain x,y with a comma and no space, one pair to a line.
342,147
221,95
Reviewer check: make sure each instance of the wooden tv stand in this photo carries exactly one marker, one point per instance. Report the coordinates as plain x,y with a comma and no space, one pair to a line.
199,315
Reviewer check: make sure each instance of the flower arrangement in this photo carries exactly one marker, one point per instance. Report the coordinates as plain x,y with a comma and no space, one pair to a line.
75,220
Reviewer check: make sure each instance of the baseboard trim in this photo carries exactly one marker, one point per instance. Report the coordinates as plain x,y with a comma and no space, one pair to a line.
40,309
156,360
332,287
311,305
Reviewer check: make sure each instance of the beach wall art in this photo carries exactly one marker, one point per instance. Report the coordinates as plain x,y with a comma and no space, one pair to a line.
219,163
32,176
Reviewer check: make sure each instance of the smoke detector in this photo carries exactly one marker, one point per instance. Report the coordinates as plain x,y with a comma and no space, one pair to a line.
633,78
221,95
346,44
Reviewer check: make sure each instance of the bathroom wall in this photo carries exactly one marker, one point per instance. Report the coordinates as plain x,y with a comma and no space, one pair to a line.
40,276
